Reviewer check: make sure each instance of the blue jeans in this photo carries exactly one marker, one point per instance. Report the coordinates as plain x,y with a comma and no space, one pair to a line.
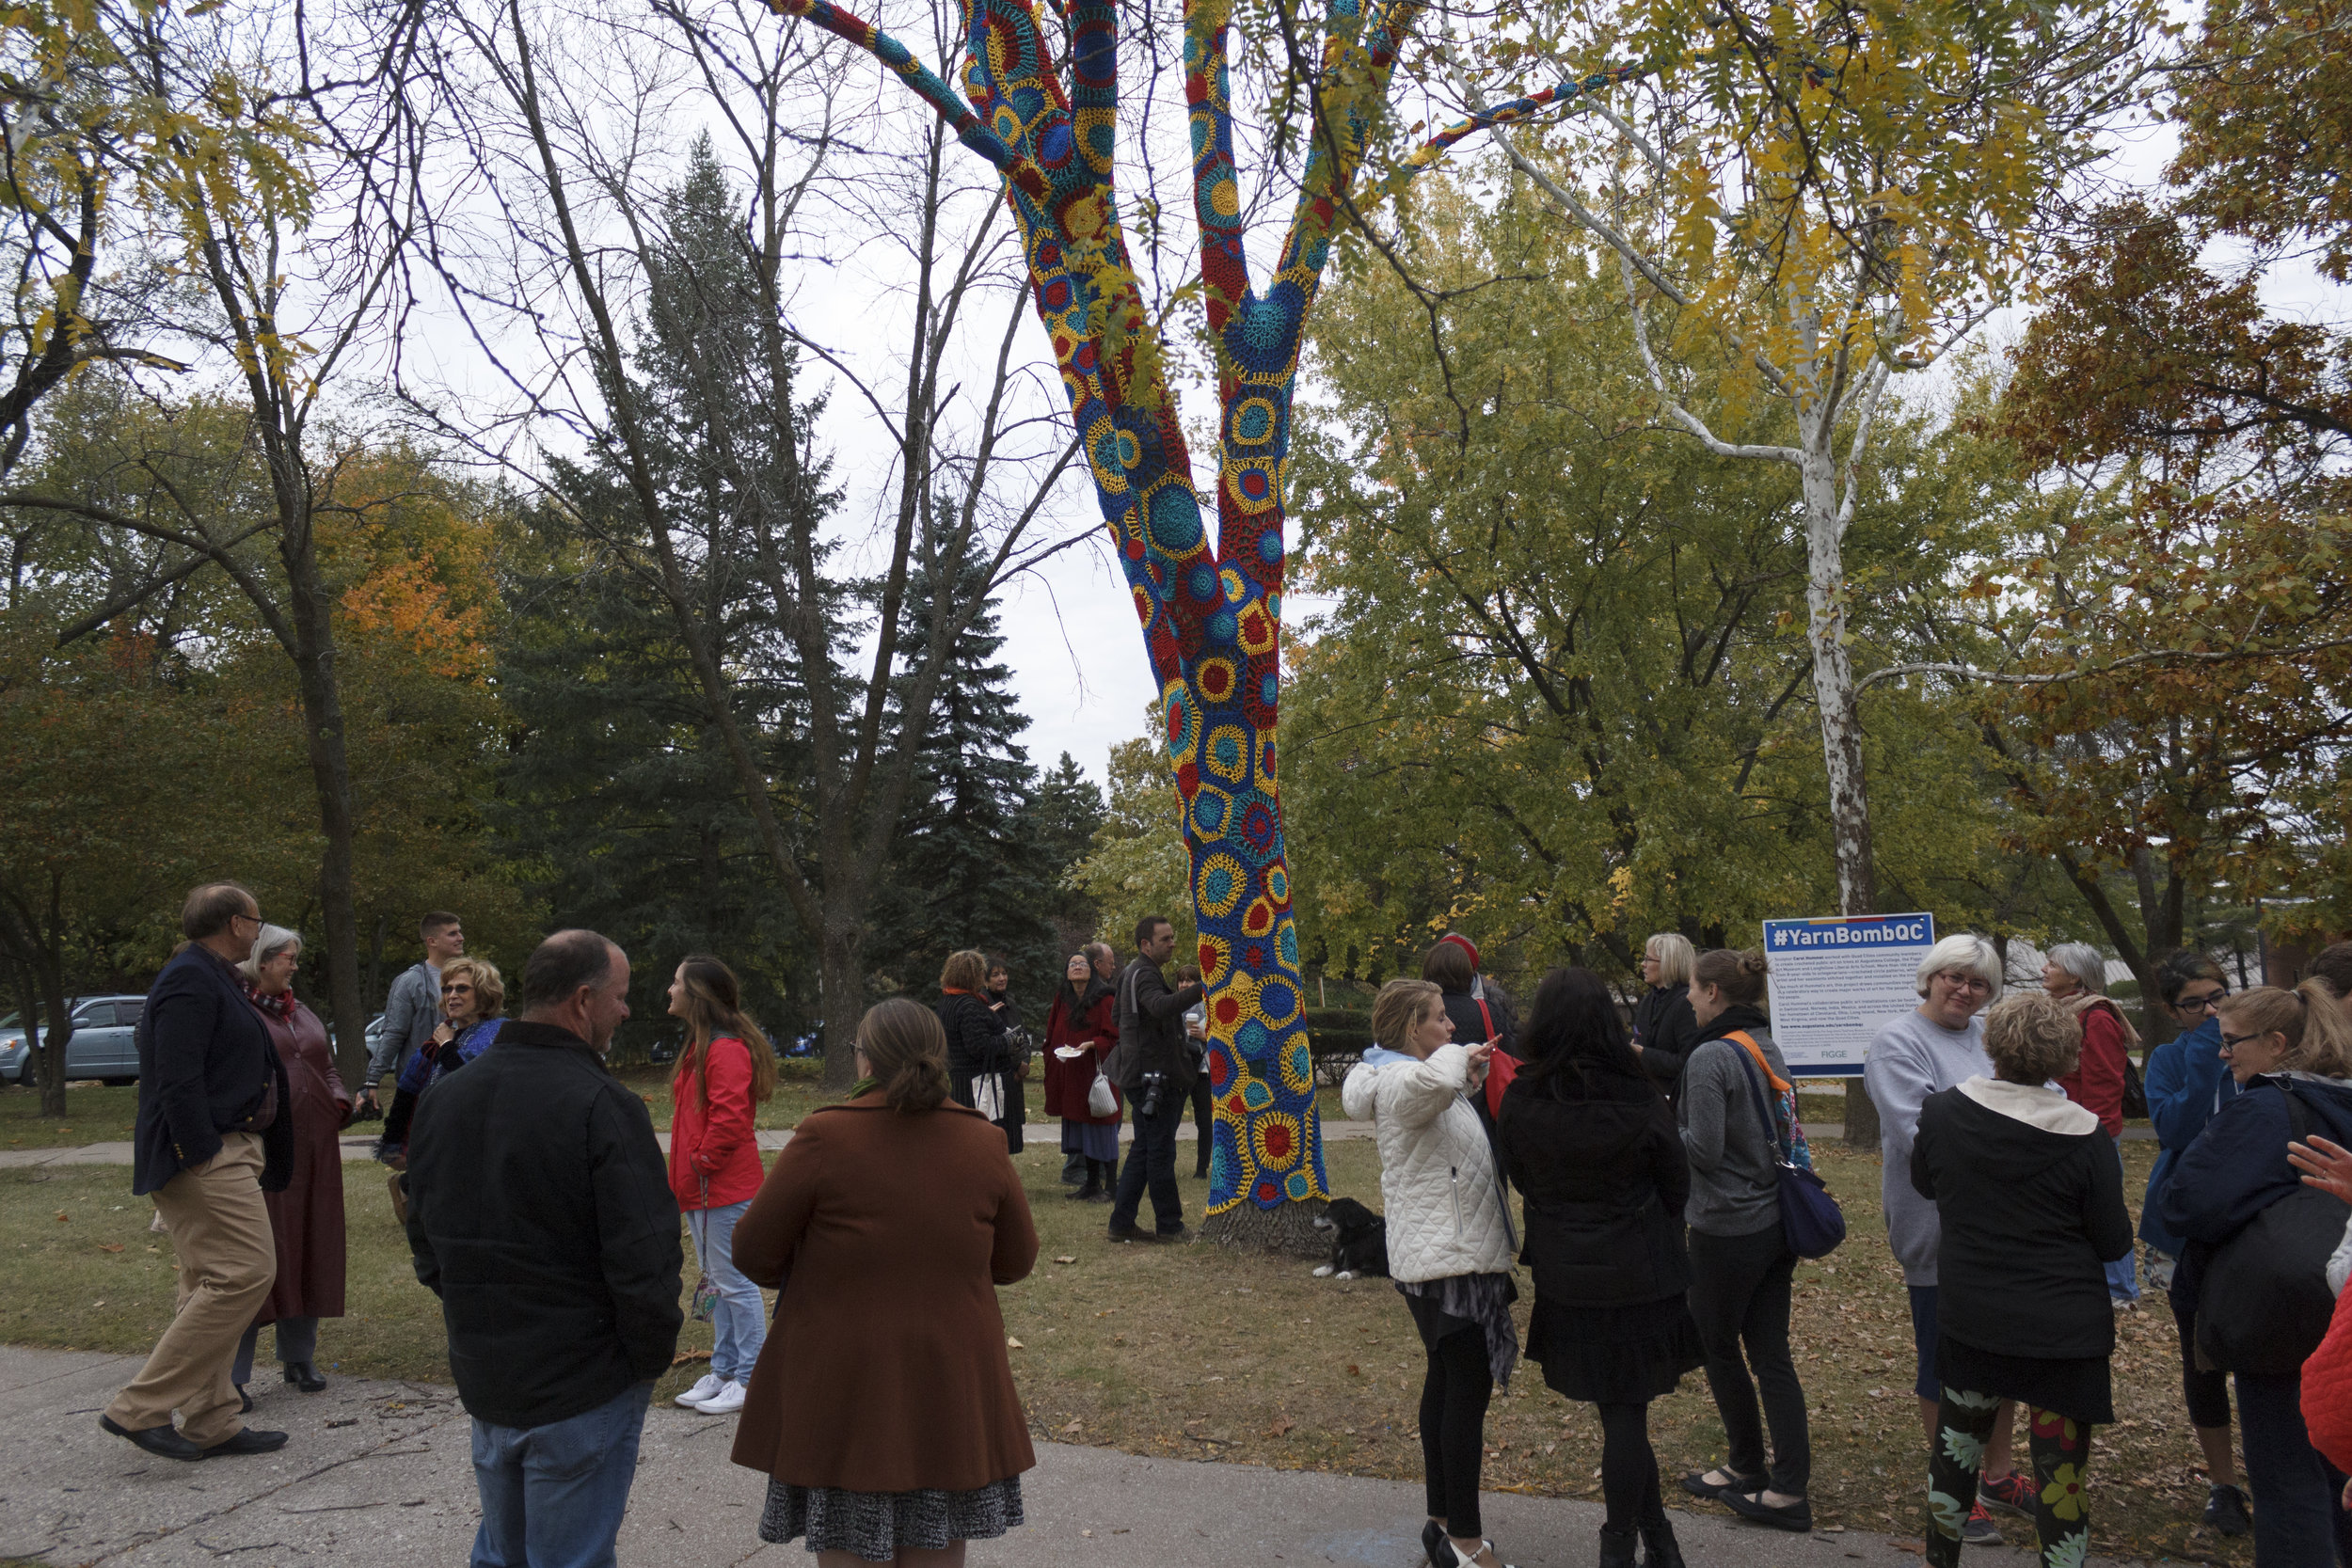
739,1321
1151,1160
2297,1519
552,1496
2124,1273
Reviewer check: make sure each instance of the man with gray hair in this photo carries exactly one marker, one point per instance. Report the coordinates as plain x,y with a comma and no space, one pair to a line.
540,1213
1938,1046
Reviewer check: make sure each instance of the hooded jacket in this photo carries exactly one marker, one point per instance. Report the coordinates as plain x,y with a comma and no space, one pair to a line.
1444,1209
2237,1167
2031,1199
1605,1179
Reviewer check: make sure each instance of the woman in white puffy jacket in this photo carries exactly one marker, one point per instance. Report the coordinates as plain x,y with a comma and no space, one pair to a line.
1449,1242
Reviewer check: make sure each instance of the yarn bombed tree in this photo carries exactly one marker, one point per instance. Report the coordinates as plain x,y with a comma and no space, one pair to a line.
1212,618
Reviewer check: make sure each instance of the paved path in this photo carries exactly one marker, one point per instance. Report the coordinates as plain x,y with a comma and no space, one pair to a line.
377,1476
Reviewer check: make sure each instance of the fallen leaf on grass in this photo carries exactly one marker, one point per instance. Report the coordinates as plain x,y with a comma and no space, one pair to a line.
1066,1259
60,1216
682,1357
1076,1426
1012,1343
1281,1427
110,1246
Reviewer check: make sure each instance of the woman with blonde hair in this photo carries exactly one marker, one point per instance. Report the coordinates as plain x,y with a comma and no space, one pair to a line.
1664,1028
884,1411
726,1070
1449,1242
2031,1201
2289,1053
473,997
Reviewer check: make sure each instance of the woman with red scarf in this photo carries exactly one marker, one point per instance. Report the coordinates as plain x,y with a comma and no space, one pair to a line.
1080,1030
306,1219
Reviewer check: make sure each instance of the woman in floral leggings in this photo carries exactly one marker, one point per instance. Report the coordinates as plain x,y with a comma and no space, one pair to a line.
2031,1200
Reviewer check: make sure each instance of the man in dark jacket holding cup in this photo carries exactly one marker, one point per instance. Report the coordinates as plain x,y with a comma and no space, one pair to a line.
540,1213
214,1134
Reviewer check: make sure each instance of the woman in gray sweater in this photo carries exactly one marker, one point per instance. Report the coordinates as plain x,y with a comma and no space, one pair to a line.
1734,1120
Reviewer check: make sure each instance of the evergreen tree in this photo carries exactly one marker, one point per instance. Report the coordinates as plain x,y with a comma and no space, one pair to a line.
1063,812
970,868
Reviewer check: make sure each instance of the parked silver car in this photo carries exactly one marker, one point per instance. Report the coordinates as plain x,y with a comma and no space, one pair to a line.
103,1045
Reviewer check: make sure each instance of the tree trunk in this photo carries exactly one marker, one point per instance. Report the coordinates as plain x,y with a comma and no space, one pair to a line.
330,775
1835,695
843,1003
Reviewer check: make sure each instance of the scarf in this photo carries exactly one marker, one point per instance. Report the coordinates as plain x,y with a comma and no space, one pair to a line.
276,1004
2083,1001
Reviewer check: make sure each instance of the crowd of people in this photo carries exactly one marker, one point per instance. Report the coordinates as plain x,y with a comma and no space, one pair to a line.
1655,1217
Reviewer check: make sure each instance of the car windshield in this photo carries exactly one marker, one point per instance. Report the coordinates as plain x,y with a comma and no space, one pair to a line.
9,1021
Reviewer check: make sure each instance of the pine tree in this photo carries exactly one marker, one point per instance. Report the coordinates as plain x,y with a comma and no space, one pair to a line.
1063,812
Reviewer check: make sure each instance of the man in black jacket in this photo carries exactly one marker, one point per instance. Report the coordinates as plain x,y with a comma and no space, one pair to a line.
214,1131
539,1211
1154,1066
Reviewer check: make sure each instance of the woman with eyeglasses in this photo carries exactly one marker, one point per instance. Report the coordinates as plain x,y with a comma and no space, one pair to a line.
2290,1053
2188,1083
1938,1046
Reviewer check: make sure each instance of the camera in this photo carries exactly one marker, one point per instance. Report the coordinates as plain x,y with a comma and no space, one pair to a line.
1148,1098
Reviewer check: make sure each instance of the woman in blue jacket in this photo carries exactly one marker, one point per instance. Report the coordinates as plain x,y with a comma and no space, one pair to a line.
2188,1079
2281,1045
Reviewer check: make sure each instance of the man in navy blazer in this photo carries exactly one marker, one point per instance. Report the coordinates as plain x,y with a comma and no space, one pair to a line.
214,1131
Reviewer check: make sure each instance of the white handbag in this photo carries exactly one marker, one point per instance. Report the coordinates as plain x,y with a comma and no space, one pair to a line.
1101,1100
988,1096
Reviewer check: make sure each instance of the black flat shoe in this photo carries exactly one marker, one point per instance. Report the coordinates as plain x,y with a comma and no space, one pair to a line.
247,1441
1750,1505
163,1441
1698,1486
304,1376
1432,1542
245,1400
1129,1233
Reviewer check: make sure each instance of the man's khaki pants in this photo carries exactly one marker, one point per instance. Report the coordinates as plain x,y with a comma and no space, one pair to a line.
228,1262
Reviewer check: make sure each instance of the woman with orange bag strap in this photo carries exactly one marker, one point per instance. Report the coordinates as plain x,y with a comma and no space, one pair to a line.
1741,1266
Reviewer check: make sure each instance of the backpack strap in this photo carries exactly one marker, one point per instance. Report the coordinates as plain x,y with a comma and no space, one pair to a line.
1763,1108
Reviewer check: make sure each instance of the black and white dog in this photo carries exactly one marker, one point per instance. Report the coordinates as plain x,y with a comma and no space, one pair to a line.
1360,1241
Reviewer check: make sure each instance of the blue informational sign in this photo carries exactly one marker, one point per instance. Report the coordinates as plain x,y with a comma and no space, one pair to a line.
1837,980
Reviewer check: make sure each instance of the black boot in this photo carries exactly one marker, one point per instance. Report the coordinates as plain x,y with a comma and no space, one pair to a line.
1617,1547
1094,1187
1104,1172
1659,1547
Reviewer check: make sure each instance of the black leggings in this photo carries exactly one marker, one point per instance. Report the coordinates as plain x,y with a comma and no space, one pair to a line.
1739,1295
1629,1468
1204,1124
2206,1394
1453,1396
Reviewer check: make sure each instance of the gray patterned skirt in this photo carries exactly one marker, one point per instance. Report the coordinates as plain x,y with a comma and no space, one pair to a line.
877,1526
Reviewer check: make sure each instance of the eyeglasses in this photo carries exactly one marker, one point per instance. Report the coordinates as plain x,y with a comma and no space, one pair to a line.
2204,1004
2231,1042
1960,981
254,918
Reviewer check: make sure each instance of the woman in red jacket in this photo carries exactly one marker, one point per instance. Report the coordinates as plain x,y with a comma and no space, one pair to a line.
726,1069
2075,973
1080,1030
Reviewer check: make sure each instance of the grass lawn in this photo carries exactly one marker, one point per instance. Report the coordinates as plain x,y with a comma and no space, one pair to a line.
1204,1353
94,1115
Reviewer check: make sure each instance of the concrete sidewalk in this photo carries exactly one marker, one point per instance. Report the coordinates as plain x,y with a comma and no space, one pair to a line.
377,1476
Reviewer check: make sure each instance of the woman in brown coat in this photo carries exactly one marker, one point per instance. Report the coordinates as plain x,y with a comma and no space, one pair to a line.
882,1407
306,1219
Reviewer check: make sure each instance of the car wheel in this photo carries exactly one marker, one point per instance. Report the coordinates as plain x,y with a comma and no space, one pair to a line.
117,1083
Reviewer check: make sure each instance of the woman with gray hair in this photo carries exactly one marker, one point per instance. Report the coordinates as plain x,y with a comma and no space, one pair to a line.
1664,1028
1938,1046
306,1219
2075,973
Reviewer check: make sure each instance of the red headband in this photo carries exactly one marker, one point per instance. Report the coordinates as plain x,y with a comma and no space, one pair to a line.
1458,940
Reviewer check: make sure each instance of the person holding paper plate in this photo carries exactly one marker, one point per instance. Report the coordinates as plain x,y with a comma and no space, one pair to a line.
1081,1027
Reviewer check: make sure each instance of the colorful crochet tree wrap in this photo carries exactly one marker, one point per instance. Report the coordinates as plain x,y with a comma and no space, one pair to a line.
1212,619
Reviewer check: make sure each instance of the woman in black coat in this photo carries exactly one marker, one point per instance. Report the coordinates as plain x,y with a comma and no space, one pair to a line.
980,1059
1666,1031
2030,1197
1588,1140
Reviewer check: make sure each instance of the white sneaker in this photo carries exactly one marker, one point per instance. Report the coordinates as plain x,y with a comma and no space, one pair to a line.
711,1383
727,1402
